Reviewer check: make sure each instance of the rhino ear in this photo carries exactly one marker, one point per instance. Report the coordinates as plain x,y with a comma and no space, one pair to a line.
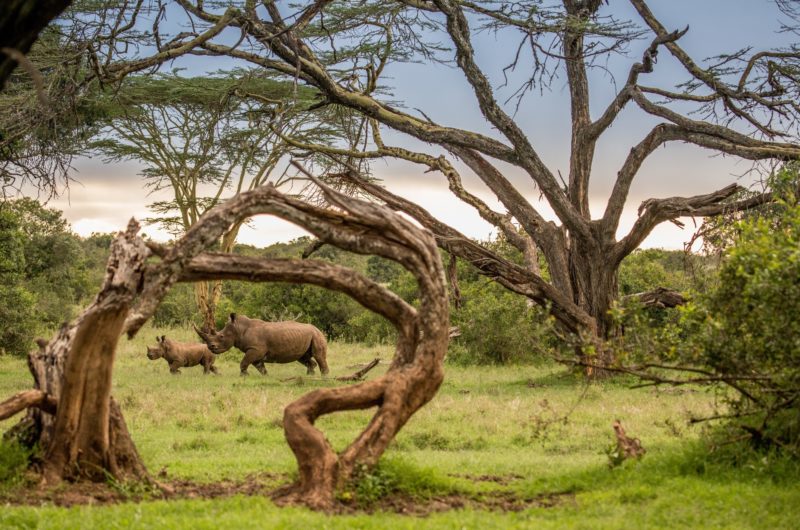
163,338
233,317
158,339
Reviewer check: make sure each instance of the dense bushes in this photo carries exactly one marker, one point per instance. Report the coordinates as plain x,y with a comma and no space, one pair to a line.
747,330
499,327
46,272
496,325
742,335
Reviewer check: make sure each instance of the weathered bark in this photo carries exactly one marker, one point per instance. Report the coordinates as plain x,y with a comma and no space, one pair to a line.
85,436
24,400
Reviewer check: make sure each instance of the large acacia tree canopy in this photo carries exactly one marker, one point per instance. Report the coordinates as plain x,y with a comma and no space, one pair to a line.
741,104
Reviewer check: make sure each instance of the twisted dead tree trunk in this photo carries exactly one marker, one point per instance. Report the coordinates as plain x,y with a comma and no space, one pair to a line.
86,436
416,372
73,420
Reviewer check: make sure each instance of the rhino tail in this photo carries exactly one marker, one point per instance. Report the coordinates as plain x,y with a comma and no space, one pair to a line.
319,351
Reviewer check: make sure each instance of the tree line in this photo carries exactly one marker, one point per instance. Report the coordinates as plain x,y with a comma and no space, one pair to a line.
49,273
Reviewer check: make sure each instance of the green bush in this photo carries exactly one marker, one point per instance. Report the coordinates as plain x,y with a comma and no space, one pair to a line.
13,462
748,328
178,308
17,304
18,323
742,335
370,328
499,327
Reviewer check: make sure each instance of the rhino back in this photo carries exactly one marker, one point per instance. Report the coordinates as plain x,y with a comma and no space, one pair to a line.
283,341
191,353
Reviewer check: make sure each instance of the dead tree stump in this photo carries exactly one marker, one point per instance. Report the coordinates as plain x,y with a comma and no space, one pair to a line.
84,435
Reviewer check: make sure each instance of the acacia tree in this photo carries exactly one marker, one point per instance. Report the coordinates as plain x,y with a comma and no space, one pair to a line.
743,105
204,139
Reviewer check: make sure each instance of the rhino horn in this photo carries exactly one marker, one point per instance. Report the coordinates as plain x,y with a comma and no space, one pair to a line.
203,334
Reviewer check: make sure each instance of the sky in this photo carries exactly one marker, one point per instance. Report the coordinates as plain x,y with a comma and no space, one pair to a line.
104,196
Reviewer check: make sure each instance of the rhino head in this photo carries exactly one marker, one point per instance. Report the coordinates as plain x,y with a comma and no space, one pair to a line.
222,340
157,352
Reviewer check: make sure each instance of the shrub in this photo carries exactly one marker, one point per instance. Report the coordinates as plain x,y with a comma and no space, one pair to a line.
13,462
743,335
499,327
749,328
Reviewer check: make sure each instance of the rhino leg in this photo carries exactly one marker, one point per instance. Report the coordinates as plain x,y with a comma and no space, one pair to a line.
173,367
308,362
319,351
260,367
254,357
208,367
311,365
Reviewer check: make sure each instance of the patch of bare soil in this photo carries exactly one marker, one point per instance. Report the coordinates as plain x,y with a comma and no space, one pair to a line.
502,501
264,484
89,493
503,480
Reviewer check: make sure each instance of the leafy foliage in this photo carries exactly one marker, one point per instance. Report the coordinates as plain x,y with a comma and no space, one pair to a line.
741,335
747,329
499,327
16,303
46,272
13,462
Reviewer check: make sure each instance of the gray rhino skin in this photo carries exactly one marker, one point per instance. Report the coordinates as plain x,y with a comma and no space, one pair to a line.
179,354
271,342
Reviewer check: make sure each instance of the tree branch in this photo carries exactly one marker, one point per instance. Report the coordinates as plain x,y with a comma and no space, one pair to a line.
653,212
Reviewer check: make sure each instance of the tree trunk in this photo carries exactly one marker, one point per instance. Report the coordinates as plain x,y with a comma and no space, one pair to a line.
208,294
417,370
204,295
87,437
594,285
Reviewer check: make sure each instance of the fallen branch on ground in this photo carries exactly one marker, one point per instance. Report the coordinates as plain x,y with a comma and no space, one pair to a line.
356,376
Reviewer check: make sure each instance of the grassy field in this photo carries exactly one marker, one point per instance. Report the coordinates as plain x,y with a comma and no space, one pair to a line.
526,438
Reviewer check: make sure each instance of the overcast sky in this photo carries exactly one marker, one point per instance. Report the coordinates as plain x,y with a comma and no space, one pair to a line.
105,196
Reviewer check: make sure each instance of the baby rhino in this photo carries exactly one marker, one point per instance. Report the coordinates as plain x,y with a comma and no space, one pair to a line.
178,354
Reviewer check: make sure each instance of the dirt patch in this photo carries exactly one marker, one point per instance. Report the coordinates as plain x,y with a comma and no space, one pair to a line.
503,480
88,493
264,484
492,501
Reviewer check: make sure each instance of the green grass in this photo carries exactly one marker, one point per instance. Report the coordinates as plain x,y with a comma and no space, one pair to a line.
499,421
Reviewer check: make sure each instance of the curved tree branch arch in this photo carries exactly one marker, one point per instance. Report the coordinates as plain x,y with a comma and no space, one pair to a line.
86,430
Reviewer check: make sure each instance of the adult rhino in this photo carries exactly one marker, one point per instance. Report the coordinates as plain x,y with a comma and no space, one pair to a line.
271,342
179,354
